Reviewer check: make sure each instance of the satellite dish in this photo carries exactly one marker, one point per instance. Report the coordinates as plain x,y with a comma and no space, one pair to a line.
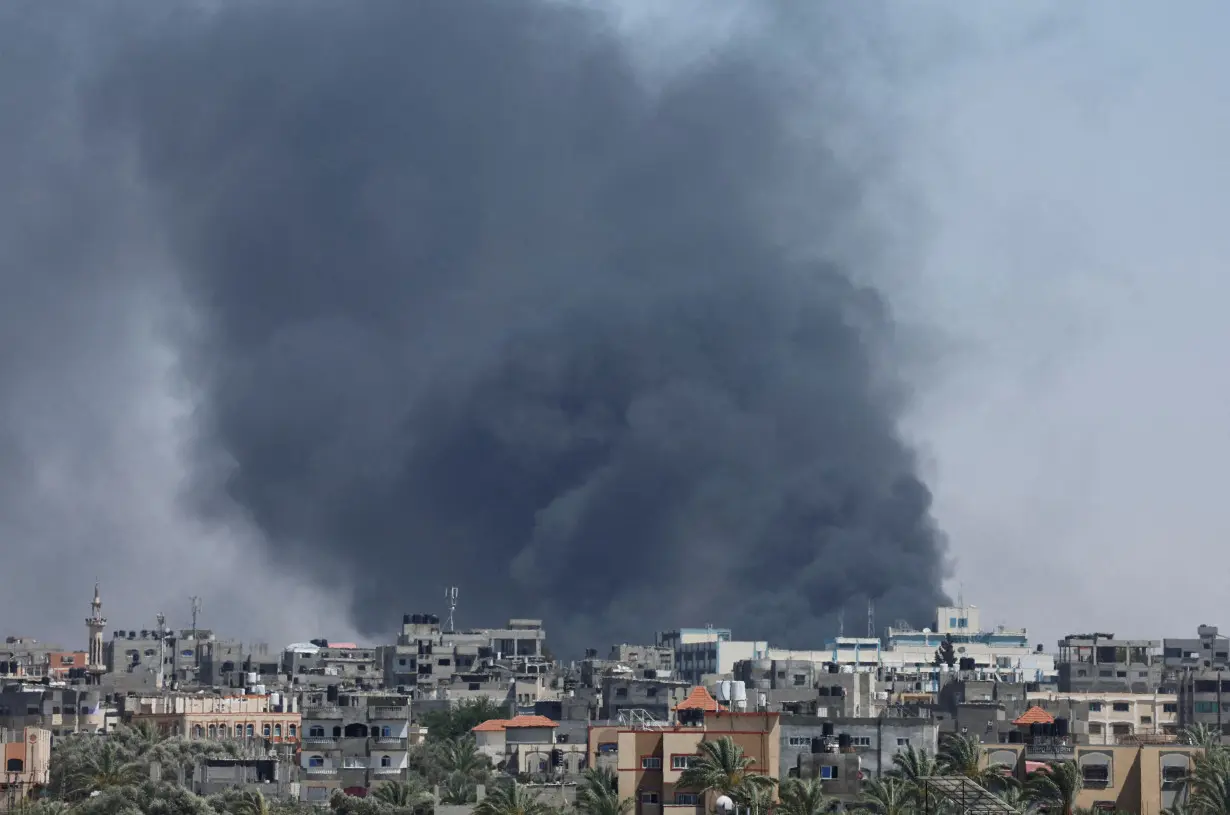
724,804
926,630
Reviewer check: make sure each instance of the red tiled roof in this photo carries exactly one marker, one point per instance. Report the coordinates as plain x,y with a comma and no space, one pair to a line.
1037,766
699,699
494,725
1035,715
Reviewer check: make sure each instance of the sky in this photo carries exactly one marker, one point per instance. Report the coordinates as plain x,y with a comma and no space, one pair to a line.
1051,255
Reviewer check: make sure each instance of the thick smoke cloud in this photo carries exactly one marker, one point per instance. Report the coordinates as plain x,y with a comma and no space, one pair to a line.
475,305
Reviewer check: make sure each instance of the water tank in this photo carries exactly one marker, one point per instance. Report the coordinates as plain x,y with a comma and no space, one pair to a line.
844,742
738,692
723,690
817,745
433,619
1014,736
1206,631
249,678
762,701
1061,728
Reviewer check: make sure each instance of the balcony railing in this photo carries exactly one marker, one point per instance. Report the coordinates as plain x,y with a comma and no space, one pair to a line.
354,764
389,713
1049,746
318,740
391,742
320,770
322,712
386,770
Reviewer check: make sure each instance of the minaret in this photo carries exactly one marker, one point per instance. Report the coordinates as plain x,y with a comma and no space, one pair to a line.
95,623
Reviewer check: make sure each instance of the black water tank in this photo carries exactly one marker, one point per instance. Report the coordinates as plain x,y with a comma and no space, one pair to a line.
1035,729
844,741
331,693
817,744
405,618
1061,728
833,667
1014,736
435,620
826,728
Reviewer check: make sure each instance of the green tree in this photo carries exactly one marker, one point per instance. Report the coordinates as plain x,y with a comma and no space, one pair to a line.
961,754
1055,787
598,794
457,722
94,765
914,763
1201,735
512,799
722,767
888,796
403,795
804,797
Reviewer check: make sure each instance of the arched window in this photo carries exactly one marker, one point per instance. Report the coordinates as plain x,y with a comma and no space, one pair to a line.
277,730
385,761
198,731
291,731
386,731
266,730
251,731
316,761
337,732
213,731
15,765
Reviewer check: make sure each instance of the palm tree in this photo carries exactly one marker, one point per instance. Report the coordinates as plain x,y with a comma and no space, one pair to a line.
1209,782
961,754
458,789
461,756
105,767
1014,796
914,763
402,794
888,796
722,767
1202,735
598,793
756,799
1055,786
511,799
804,797
248,802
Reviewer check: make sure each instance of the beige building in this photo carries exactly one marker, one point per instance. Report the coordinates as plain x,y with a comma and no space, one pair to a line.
1111,718
272,717
27,764
1143,779
528,744
650,758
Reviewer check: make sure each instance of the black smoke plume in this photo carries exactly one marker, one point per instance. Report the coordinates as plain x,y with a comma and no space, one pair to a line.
479,305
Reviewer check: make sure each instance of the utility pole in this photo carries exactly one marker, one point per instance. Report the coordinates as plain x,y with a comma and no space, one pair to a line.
162,650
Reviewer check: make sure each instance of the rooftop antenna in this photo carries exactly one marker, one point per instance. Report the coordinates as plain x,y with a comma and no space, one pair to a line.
196,609
841,621
871,618
450,596
961,595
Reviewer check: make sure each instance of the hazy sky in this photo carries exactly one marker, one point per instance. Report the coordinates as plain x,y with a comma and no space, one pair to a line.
1066,174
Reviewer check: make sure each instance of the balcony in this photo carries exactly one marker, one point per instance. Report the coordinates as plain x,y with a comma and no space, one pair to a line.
320,740
1049,748
323,712
354,764
398,713
387,770
322,771
389,742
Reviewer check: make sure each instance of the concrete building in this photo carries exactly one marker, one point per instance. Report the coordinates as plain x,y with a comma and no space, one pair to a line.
27,765
1099,662
353,741
623,690
529,745
58,710
27,658
1144,779
1208,650
874,741
1203,697
271,718
660,659
650,759
1102,718
275,778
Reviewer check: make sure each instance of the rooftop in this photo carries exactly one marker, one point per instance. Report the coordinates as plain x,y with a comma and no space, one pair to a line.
699,699
496,725
1035,715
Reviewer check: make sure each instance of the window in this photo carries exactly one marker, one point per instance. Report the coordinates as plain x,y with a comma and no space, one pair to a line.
1170,707
651,692
800,680
251,731
316,731
291,730
1107,672
213,731
149,652
799,741
1120,707
15,765
1206,707
963,622
1095,728
1172,774
1096,773
648,797
608,748
1094,707
903,742
651,763
952,622
386,732
187,652
277,730
198,731
1121,674
401,662
680,762
385,761
1146,720
266,730
828,772
621,693
685,799
860,741
316,761
66,660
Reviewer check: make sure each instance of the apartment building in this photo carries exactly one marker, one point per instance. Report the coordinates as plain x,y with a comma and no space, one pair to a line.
137,659
58,710
623,690
1100,662
529,744
27,658
273,718
874,740
1102,718
650,758
354,741
1144,779
660,659
707,652
1209,649
426,659
27,765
